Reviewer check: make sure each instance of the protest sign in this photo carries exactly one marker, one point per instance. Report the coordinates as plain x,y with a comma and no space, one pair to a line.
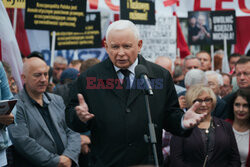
14,3
223,26
89,38
160,39
139,12
199,28
59,15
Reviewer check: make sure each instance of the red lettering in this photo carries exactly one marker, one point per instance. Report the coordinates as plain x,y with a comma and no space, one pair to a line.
118,83
110,84
243,7
218,5
90,83
197,6
93,4
170,2
112,6
100,84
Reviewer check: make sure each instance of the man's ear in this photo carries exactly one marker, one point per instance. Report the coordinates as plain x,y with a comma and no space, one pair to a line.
139,45
23,78
105,44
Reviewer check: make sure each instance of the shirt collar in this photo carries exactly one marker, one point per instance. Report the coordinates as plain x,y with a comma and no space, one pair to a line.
45,99
131,68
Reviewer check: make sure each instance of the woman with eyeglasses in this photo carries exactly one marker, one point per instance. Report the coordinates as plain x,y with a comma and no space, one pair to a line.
212,142
240,120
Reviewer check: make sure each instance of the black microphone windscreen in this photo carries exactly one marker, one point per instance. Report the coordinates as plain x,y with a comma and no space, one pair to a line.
140,70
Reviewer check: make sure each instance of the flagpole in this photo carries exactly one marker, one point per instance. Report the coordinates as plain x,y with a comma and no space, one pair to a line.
53,48
225,46
212,55
75,54
225,65
15,20
178,53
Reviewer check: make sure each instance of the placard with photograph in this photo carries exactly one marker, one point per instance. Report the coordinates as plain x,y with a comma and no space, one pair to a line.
199,28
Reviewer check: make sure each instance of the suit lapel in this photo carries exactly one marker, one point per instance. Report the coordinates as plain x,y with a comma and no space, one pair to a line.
33,111
110,73
134,93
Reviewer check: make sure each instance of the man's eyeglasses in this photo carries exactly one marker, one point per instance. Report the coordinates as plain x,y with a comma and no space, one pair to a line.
207,100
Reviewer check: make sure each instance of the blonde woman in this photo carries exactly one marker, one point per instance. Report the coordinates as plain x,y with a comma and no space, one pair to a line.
212,142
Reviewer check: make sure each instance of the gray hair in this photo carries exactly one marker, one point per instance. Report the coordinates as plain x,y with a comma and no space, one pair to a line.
218,76
60,60
121,25
189,58
195,76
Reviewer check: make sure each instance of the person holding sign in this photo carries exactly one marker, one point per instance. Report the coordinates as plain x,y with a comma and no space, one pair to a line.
116,114
5,94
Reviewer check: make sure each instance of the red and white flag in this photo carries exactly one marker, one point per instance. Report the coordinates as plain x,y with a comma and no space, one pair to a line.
242,45
181,42
21,34
10,50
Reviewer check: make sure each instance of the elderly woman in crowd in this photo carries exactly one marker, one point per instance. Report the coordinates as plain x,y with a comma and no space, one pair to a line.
240,120
212,142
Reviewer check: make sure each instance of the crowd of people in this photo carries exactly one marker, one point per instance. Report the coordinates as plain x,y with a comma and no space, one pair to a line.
93,114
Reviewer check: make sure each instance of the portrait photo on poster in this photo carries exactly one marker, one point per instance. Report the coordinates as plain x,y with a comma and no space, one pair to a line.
199,28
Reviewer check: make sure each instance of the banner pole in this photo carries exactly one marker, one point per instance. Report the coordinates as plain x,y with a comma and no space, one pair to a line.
212,55
75,54
15,20
225,65
225,46
53,48
178,53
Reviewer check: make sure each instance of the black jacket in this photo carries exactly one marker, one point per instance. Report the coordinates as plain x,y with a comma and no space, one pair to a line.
118,128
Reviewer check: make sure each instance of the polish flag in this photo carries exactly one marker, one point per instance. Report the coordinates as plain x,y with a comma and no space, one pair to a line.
10,50
21,34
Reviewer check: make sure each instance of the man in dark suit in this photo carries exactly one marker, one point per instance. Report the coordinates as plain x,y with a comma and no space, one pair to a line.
117,116
40,135
242,72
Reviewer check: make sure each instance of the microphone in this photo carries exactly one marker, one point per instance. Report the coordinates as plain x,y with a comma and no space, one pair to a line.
142,72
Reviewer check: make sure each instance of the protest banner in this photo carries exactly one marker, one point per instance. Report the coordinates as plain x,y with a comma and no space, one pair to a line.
159,39
223,26
14,3
89,38
139,12
111,9
59,15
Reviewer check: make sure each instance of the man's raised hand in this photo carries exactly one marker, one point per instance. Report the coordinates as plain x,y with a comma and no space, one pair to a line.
191,118
82,110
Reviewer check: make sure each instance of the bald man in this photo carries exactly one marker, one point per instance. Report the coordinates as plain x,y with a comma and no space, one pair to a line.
167,63
41,136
